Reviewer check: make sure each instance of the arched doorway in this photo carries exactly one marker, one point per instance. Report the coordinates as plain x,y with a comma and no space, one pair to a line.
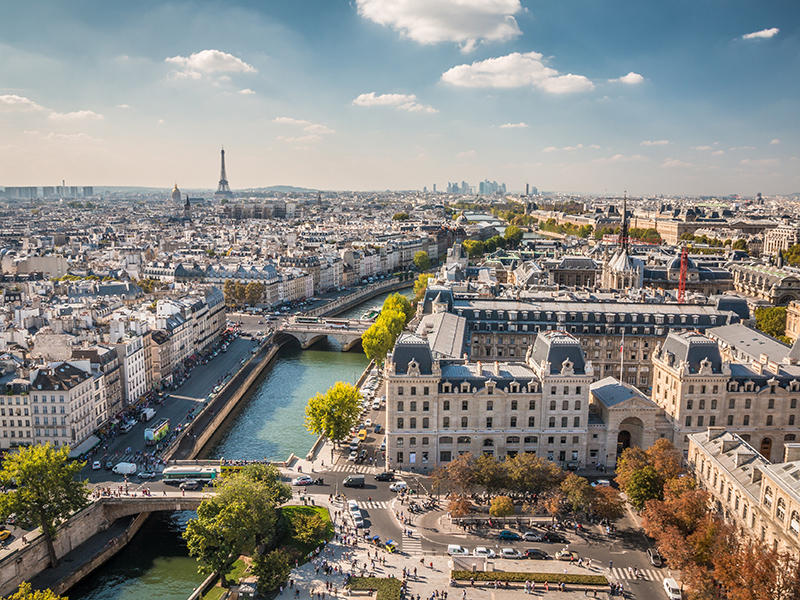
623,441
631,433
766,447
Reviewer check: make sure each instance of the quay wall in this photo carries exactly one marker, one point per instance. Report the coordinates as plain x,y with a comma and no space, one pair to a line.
331,309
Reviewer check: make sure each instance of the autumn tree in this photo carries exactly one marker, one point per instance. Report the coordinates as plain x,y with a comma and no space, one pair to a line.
607,503
43,490
401,304
26,592
554,503
253,292
420,285
334,413
631,460
491,473
749,570
501,506
530,473
577,492
666,459
376,342
462,471
459,507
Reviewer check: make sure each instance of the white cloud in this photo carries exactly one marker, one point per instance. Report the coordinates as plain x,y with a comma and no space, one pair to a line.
62,137
718,153
161,121
573,148
655,143
763,34
759,162
399,101
246,91
742,148
701,147
14,103
78,115
123,106
466,154
775,141
465,22
672,163
513,71
549,149
308,126
303,139
631,78
514,126
208,62
620,158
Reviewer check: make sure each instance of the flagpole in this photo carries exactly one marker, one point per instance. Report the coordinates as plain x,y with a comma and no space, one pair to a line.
622,356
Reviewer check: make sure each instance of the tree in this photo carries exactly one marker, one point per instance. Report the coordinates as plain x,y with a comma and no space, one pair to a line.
666,459
459,507
309,528
420,285
751,571
272,569
578,492
253,292
534,474
631,460
473,248
25,592
43,489
334,413
401,304
643,485
463,471
401,217
502,506
513,235
740,244
771,320
491,473
554,503
422,261
229,289
607,503
376,341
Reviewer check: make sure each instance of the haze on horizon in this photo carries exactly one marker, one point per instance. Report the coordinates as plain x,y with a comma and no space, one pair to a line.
581,96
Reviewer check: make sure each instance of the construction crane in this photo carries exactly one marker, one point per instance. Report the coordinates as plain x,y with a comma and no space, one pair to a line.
682,280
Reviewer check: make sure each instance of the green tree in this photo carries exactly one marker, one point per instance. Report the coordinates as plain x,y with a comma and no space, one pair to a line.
239,292
513,235
401,217
272,569
491,473
530,473
740,244
771,320
499,241
502,506
253,292
229,289
643,485
309,528
473,248
399,303
422,261
420,285
25,592
463,471
334,413
630,461
43,489
578,492
376,341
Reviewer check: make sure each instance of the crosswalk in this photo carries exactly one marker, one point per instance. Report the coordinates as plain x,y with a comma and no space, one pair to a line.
412,545
366,505
619,574
351,468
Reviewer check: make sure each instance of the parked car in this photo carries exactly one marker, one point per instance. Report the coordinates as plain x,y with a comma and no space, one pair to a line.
109,465
368,423
456,550
536,554
377,428
554,538
567,555
4,535
96,466
482,551
510,553
12,519
353,456
385,476
303,480
530,536
672,589
509,535
601,483
654,556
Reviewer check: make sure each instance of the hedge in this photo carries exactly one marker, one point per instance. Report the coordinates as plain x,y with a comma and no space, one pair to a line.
388,588
574,578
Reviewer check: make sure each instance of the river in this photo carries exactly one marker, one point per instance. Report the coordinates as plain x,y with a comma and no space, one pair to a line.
269,424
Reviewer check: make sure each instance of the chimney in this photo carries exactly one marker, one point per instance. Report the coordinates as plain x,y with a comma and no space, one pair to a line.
715,432
496,369
791,452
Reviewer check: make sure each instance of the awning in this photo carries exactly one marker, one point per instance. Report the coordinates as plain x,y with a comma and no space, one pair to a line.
84,446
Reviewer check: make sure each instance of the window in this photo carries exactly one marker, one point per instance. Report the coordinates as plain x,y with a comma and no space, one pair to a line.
712,421
531,439
464,405
713,405
700,421
553,391
412,423
566,390
400,422
793,403
552,405
400,390
563,439
771,403
513,405
464,439
489,406
413,407
791,419
578,390
769,420
532,405
747,403
412,441
446,405
464,422
426,441
426,406
576,422
400,457
552,422
445,440
425,391
446,423
531,421
691,389
746,420
565,405
688,421
702,389
732,403
780,510
513,422
564,421
445,456
488,422
730,420
689,405
413,390
512,439
702,405
426,423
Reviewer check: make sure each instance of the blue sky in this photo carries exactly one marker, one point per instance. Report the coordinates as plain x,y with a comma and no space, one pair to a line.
594,96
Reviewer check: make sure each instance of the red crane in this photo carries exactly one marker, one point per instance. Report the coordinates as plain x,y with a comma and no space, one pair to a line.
682,280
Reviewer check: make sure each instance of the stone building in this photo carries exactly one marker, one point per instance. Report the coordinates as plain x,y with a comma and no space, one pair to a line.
760,498
781,238
776,285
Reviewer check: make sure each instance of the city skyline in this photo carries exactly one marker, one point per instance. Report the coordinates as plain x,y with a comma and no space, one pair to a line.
373,94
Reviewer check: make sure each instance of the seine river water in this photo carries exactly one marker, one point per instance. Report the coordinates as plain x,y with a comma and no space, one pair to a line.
269,424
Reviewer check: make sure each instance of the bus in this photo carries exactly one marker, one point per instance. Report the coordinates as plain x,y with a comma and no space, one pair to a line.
306,319
153,435
198,473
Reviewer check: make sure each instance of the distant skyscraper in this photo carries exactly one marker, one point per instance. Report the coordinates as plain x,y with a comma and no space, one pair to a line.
434,188
223,189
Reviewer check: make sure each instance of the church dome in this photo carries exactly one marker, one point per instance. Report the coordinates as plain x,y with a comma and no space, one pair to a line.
675,264
176,194
461,219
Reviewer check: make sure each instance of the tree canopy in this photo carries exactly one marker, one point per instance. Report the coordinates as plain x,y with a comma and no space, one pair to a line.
402,216
43,489
334,413
420,285
513,235
772,321
422,261
25,592
382,334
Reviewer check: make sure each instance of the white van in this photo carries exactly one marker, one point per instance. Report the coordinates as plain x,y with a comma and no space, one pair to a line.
352,505
456,550
672,589
398,486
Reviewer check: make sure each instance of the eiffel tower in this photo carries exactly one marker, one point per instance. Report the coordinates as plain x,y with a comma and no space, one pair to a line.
223,189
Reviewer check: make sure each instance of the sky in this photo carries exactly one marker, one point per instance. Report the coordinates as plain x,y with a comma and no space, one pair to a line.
679,97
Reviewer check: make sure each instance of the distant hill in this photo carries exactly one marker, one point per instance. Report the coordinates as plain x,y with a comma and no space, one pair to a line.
286,189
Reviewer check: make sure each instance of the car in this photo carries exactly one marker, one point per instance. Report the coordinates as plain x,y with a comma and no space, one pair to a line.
654,556
146,475
352,505
510,553
376,405
554,538
483,551
190,484
398,486
4,535
12,519
456,550
385,476
601,483
368,423
536,554
672,589
109,465
509,535
303,480
358,520
567,555
353,456
96,466
377,428
531,536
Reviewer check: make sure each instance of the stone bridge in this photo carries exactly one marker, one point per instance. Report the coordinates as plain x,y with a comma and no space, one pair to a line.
308,332
115,508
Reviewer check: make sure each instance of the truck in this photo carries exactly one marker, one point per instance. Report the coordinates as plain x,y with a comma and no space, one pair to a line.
127,426
153,435
124,468
147,414
354,481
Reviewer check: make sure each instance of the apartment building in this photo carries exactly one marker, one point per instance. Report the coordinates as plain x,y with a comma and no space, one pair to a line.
63,402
